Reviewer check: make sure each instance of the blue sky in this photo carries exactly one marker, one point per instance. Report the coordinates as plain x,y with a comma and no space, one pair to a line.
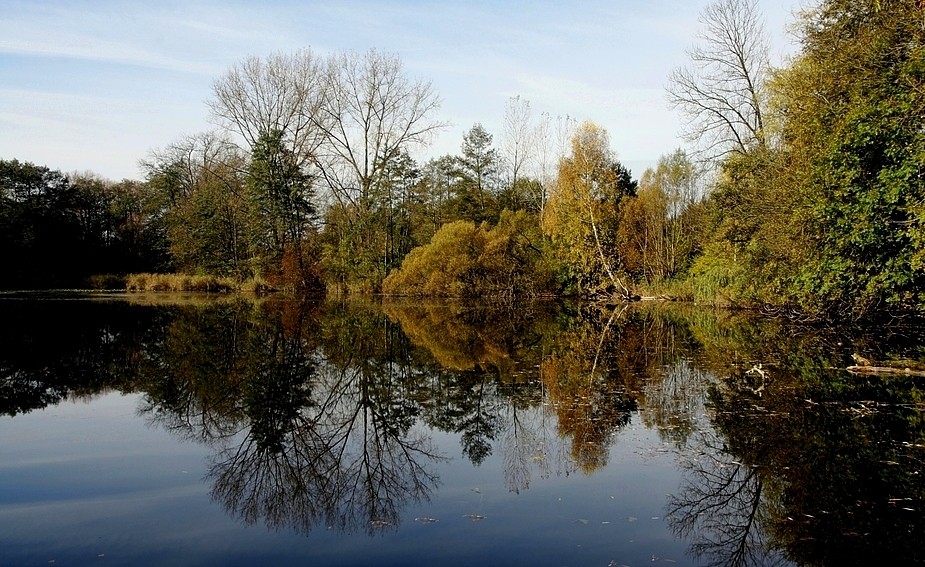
97,85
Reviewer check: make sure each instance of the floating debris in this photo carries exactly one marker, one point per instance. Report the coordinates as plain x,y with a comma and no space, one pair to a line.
582,521
474,517
380,523
425,520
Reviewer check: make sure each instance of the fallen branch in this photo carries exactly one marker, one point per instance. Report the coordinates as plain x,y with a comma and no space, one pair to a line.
884,370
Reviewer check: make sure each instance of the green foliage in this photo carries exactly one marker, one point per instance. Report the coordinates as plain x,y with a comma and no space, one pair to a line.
755,227
860,147
280,198
717,276
198,201
465,260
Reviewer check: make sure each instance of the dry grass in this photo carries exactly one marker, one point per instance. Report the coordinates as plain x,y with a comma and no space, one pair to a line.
185,282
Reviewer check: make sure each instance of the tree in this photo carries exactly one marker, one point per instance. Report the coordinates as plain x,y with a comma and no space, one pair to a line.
372,112
198,196
282,194
519,138
552,137
466,260
281,93
582,212
855,149
722,94
657,228
477,170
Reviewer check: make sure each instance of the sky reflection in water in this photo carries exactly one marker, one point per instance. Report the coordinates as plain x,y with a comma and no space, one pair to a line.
225,432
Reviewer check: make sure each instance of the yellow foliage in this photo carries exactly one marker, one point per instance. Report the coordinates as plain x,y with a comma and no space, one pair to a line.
581,212
465,260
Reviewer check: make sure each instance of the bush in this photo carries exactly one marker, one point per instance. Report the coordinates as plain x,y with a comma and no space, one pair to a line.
465,260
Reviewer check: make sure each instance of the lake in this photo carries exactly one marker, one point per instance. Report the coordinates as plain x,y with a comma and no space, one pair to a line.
198,430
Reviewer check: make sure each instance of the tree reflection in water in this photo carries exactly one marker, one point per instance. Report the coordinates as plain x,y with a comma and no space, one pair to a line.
300,441
318,413
810,465
722,507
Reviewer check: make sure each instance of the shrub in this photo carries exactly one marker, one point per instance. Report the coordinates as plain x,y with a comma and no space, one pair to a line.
465,260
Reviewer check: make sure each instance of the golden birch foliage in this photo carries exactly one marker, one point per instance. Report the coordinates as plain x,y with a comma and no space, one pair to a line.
580,216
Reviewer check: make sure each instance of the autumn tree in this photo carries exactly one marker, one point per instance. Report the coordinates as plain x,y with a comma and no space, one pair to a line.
373,112
198,196
582,213
468,260
658,228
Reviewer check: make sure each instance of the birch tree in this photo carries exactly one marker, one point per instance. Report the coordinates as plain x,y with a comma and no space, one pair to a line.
581,214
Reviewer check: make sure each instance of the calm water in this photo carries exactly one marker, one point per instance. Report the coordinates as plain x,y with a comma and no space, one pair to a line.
198,431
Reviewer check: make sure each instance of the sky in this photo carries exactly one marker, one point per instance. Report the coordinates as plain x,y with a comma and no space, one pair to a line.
96,85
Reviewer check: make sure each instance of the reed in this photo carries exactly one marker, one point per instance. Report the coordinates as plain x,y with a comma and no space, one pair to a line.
180,282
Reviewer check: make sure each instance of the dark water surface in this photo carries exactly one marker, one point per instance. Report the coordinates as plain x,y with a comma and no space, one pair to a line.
183,430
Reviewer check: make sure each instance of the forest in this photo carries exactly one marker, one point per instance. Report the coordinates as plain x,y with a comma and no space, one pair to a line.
802,191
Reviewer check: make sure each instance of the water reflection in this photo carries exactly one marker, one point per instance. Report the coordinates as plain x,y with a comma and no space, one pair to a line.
322,414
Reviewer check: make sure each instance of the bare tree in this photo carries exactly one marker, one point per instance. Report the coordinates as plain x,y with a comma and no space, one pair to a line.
552,141
281,93
372,112
519,137
722,92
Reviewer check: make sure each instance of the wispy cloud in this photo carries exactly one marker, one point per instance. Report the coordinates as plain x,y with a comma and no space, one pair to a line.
82,73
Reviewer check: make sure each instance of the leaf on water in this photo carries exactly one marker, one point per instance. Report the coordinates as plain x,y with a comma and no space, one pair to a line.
582,521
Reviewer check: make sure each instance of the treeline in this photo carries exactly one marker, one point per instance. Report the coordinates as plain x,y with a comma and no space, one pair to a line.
58,231
802,189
